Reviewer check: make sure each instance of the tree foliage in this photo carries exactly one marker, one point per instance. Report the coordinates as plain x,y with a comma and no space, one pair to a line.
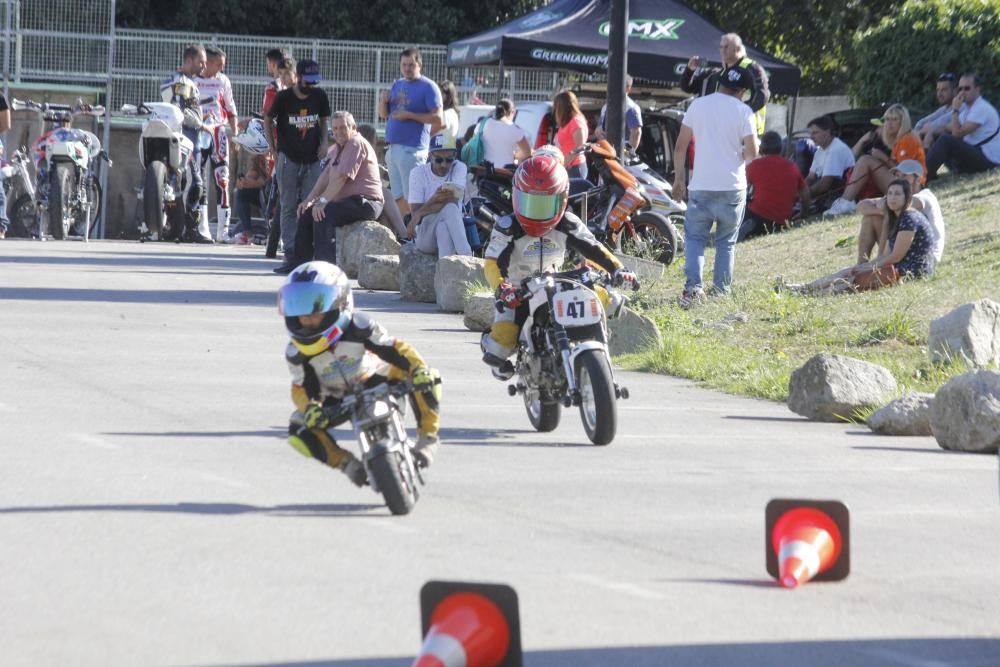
899,59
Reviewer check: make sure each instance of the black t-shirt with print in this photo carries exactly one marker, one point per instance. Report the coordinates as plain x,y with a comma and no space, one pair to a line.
297,123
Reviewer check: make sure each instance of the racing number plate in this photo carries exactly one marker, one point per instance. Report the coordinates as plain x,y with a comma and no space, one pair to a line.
576,308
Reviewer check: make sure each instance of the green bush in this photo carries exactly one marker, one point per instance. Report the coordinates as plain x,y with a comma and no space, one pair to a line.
899,59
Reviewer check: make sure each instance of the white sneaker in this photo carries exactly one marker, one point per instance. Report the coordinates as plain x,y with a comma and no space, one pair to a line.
841,206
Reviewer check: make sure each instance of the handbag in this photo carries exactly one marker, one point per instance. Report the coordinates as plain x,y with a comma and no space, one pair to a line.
474,151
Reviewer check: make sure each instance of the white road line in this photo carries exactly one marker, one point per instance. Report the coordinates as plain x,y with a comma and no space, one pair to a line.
616,586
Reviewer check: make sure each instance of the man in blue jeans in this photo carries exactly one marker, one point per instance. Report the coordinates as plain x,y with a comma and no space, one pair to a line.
725,135
413,112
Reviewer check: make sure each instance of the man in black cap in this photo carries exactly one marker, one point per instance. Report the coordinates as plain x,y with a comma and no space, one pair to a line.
301,115
725,134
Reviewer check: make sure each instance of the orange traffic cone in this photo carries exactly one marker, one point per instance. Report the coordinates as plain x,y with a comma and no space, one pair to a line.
469,625
807,540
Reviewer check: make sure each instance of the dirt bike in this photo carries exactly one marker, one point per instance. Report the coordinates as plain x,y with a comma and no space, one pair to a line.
377,416
20,191
165,153
68,198
617,212
562,354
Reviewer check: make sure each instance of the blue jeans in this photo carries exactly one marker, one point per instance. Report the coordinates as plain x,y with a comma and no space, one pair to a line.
401,160
724,209
295,182
244,199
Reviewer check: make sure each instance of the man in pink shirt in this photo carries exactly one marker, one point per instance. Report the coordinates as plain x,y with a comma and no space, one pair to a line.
348,190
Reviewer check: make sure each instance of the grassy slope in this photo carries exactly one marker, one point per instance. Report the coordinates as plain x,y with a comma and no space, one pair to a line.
888,327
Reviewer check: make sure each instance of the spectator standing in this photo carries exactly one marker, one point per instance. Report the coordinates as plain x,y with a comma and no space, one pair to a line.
219,110
633,118
572,132
830,161
698,79
275,59
724,130
4,126
972,144
436,190
503,141
412,109
181,91
349,190
775,183
449,105
300,114
876,153
931,126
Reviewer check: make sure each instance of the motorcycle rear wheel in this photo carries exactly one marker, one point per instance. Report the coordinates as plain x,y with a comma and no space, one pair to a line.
598,409
24,217
657,237
543,414
392,480
60,191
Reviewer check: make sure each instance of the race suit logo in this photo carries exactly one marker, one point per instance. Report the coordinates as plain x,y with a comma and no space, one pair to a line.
647,28
569,58
541,248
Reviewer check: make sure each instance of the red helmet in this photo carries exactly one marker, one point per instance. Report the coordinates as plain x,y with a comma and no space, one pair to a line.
541,188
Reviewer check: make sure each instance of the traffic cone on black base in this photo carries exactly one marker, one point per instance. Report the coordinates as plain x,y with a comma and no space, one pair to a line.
807,540
469,625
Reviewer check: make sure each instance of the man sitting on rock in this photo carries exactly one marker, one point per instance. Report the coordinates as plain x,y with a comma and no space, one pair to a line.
349,190
436,192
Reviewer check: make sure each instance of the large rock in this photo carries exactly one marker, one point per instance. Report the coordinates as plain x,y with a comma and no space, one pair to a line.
358,239
631,332
965,413
832,388
379,272
479,311
971,331
907,415
416,275
456,279
647,270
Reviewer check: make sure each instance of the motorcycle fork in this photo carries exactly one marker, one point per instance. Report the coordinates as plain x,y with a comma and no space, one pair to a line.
562,344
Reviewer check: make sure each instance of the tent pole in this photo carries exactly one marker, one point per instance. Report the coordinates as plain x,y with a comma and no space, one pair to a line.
791,122
617,66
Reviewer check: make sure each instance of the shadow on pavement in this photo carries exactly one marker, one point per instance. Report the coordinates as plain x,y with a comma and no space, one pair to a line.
927,450
758,418
175,260
954,652
486,437
217,509
202,297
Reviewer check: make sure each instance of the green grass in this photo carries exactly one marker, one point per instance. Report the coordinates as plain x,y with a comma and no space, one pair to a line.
888,327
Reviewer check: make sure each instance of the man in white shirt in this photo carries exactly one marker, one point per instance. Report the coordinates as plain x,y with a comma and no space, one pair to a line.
436,190
725,133
832,158
934,124
973,144
873,213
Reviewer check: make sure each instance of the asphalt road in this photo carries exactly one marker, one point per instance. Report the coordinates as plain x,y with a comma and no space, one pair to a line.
152,514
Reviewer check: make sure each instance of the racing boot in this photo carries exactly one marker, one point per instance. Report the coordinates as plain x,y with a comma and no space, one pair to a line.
222,227
354,470
502,369
426,449
203,229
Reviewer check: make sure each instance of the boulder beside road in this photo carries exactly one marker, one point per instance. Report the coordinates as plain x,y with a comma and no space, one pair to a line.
965,413
831,387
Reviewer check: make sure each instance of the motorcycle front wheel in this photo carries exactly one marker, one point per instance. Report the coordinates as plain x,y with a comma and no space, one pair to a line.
152,196
598,409
392,479
60,191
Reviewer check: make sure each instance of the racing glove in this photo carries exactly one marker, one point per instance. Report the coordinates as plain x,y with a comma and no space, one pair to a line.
192,119
428,381
506,296
314,417
625,277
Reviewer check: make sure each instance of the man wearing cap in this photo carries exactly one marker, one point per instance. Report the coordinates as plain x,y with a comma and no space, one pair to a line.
413,112
934,124
349,190
300,115
436,191
873,213
725,132
972,144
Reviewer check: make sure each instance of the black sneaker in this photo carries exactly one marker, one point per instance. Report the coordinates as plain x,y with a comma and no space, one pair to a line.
283,270
192,236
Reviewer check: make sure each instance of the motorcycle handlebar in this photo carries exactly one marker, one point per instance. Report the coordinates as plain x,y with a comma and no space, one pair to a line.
56,110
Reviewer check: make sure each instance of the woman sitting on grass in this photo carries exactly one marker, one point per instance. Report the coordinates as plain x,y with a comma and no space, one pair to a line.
907,235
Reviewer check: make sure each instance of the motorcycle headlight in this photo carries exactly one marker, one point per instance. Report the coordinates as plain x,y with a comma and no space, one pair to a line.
380,409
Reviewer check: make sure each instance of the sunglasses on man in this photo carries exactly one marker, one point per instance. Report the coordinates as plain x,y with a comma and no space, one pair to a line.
443,160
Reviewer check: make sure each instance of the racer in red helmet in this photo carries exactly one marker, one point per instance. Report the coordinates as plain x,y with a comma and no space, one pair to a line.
533,240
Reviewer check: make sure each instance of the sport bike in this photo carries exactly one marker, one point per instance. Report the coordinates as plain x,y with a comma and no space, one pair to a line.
562,353
377,416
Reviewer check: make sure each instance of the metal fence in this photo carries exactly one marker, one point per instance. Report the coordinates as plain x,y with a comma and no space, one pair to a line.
67,42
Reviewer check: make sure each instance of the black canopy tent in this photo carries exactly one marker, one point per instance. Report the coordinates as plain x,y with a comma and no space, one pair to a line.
573,34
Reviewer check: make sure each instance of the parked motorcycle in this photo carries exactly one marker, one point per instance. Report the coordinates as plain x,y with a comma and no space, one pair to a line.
377,416
68,198
562,355
165,154
659,194
20,194
617,211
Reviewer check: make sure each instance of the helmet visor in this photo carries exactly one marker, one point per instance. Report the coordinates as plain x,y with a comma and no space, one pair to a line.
305,299
537,206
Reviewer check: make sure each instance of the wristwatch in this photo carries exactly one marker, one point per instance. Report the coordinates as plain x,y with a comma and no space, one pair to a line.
322,201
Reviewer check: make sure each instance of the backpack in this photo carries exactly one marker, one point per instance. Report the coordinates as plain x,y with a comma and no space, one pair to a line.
474,151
